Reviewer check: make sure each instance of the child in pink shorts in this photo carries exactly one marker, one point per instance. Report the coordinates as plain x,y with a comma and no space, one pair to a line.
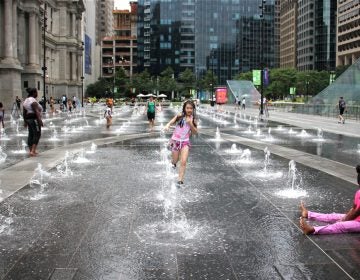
180,139
337,223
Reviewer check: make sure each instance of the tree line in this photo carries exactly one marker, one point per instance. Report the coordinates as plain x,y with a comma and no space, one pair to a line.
307,83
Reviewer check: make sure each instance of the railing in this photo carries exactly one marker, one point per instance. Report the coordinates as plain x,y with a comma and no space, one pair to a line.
324,110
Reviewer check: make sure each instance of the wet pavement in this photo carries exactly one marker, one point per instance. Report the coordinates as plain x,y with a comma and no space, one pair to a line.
120,217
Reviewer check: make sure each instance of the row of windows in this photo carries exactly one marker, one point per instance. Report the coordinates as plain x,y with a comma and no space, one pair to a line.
349,15
349,46
349,36
349,26
349,5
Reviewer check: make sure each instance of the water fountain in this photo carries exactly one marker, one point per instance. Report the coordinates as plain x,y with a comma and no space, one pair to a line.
245,157
291,131
3,135
303,134
93,148
80,158
235,122
6,221
320,135
3,156
294,182
267,159
269,137
258,132
249,130
234,150
217,134
358,148
39,180
64,168
22,149
280,128
54,136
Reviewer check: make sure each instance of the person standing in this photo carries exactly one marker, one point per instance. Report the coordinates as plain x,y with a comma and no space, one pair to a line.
2,114
32,118
342,107
74,102
151,108
18,102
64,102
243,103
52,105
108,116
69,105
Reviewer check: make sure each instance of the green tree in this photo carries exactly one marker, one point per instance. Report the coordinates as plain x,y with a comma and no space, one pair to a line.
98,88
121,83
246,76
142,82
166,83
280,82
208,81
188,82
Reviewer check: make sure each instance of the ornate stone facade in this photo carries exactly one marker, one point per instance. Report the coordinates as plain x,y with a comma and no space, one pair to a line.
22,47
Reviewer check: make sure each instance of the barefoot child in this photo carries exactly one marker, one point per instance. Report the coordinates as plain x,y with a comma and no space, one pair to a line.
151,108
108,116
338,223
180,140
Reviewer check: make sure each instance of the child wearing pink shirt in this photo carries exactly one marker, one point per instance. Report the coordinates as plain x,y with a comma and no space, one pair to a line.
338,223
180,140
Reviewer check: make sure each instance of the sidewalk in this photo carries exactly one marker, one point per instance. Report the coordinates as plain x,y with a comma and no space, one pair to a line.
350,128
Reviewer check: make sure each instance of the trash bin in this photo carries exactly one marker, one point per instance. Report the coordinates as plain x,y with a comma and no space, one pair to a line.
212,103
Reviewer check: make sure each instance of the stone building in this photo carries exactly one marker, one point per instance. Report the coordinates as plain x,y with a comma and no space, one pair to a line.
22,47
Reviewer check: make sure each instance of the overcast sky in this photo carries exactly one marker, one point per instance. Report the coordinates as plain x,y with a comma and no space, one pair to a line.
121,4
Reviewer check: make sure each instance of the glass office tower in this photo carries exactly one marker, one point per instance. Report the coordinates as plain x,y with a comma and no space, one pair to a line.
223,36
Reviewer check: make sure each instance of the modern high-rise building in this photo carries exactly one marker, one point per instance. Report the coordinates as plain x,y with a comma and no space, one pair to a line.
288,33
316,34
104,19
348,32
221,36
24,52
120,50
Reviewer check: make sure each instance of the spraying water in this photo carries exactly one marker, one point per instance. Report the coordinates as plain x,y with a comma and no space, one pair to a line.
294,183
39,180
3,156
22,149
64,168
267,159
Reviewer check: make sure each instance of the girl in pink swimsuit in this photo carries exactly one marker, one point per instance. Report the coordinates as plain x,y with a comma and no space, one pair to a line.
337,223
180,139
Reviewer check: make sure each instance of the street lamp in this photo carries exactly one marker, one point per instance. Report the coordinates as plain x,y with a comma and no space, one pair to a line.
307,87
262,8
82,74
44,68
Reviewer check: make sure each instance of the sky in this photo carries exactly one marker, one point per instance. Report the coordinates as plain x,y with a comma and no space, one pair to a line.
121,4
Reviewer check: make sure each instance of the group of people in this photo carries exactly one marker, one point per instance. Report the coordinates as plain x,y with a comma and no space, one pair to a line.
185,125
68,104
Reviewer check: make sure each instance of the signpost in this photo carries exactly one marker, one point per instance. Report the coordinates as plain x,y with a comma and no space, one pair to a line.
257,77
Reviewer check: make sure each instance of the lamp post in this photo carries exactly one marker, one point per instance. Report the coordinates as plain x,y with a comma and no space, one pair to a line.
82,74
44,68
307,88
262,8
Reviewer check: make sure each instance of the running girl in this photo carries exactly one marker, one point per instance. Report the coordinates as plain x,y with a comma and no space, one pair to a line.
180,140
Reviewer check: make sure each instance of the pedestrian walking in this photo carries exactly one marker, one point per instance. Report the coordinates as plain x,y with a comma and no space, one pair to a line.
151,108
243,103
342,108
69,105
32,120
52,105
64,102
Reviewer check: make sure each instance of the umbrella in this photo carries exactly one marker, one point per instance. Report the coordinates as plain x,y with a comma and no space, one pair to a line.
162,95
140,95
149,95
